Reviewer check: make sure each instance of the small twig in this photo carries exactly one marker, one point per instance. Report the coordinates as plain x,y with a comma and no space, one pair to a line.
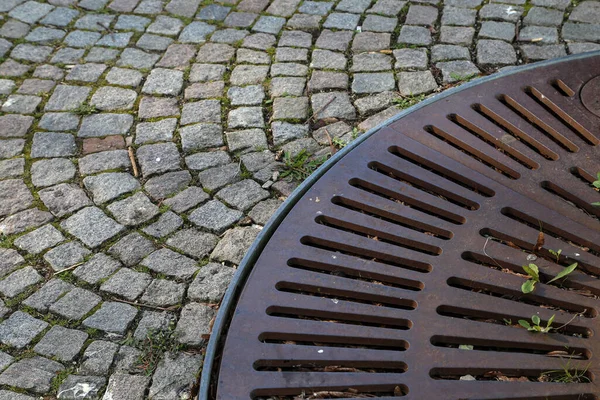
571,320
172,308
315,114
485,252
69,268
331,145
132,160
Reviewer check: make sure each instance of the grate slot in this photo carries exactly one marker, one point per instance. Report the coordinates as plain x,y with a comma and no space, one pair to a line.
440,171
563,116
353,392
583,205
517,133
548,229
423,186
538,123
392,218
497,143
473,152
563,88
405,200
347,295
366,253
378,235
450,347
502,295
368,275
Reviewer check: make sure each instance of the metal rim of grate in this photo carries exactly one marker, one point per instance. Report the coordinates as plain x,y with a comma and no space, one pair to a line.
396,270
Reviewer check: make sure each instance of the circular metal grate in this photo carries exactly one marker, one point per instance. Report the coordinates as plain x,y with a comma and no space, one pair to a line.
399,272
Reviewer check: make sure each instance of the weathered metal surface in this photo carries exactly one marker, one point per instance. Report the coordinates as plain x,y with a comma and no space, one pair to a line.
413,244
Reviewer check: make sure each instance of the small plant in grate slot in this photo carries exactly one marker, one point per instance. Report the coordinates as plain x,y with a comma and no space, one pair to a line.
556,253
534,275
536,327
568,374
596,184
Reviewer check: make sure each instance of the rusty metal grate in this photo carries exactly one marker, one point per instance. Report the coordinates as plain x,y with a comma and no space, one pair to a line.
411,247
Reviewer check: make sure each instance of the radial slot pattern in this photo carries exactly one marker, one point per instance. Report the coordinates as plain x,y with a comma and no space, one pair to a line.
398,274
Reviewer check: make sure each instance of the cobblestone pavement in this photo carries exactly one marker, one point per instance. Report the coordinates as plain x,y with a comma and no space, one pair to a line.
141,148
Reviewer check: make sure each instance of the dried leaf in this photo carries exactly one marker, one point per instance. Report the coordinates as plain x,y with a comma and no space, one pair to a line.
540,242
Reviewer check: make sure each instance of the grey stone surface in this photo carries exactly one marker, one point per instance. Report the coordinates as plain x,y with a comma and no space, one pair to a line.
495,52
166,224
202,161
581,32
215,216
19,281
163,293
373,82
109,186
14,196
248,95
158,158
53,144
192,242
64,199
81,387
261,212
126,387
34,374
453,71
20,329
414,35
170,263
538,35
497,30
24,220
12,168
99,125
59,122
98,357
160,131
132,248
66,255
193,323
61,343
75,304
414,83
586,12
39,240
104,161
174,376
112,317
42,299
284,132
201,111
133,210
215,178
111,98
201,136
187,199
210,283
99,267
234,244
164,81
340,107
91,226
535,53
501,12
126,283
167,184
152,321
